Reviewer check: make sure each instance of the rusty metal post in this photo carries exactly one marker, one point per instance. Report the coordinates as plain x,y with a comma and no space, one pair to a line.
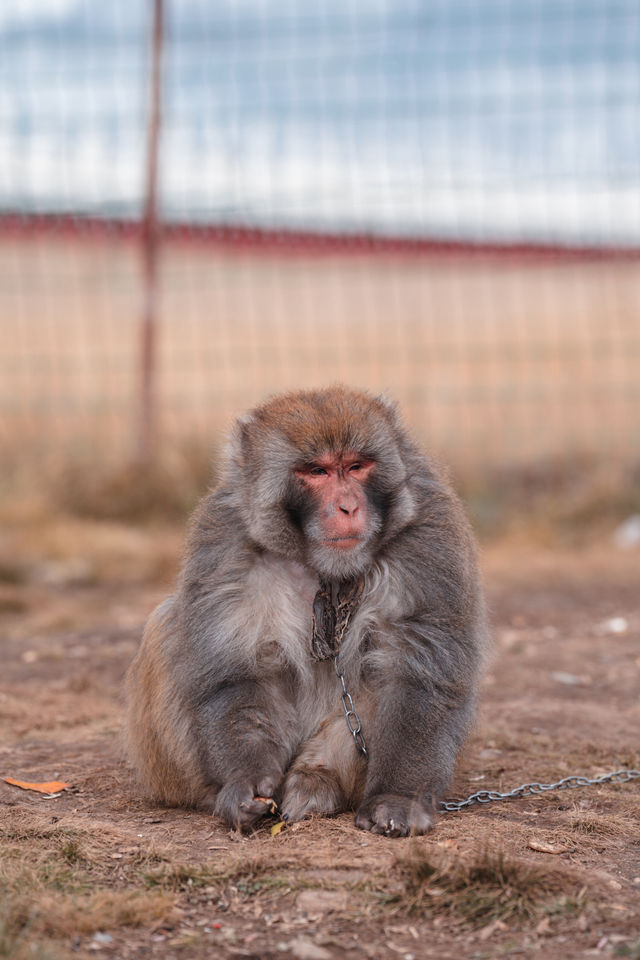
147,425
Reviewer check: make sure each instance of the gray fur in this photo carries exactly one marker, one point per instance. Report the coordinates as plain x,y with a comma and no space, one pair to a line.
225,700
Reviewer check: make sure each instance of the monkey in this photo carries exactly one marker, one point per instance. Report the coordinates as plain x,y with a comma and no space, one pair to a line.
332,551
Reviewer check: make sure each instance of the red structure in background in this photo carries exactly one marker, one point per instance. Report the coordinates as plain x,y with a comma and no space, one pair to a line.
230,237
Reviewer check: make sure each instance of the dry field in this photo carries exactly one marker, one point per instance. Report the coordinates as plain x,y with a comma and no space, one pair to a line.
497,366
494,362
97,871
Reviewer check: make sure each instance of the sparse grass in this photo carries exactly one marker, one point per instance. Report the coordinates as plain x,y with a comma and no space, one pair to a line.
66,886
249,874
22,945
182,876
11,573
135,493
487,886
631,950
602,825
12,604
61,550
65,914
549,503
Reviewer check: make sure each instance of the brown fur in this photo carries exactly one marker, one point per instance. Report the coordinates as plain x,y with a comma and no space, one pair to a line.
225,700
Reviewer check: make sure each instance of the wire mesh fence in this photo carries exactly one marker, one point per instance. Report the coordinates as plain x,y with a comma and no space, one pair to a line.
439,200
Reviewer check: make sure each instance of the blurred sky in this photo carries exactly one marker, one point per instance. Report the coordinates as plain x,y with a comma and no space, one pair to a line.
477,119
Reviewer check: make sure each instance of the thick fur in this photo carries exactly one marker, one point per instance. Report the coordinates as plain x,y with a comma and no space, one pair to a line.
226,703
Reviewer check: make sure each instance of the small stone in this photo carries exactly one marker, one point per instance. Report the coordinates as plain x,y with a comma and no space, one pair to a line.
627,535
305,949
321,901
569,679
613,625
100,937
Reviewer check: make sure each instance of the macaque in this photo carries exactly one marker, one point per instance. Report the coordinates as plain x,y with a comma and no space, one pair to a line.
330,546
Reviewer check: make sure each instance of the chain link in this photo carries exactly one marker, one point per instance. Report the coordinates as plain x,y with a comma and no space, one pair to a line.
532,789
352,718
482,796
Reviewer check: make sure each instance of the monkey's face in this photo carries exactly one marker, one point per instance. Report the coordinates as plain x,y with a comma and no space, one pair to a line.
337,514
322,477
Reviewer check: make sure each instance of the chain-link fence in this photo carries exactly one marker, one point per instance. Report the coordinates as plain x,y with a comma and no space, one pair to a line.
439,200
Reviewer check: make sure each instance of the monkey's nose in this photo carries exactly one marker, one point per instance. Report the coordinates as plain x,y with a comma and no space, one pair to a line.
348,509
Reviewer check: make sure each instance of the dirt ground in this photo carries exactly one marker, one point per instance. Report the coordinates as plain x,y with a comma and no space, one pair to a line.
97,870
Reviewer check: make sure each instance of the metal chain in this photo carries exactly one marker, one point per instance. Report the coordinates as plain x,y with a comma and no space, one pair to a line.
352,718
482,796
532,789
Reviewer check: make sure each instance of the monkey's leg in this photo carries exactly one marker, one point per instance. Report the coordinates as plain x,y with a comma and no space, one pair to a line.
245,743
325,774
413,741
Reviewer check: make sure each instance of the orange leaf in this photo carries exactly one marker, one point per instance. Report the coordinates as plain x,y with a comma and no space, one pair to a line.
52,786
543,846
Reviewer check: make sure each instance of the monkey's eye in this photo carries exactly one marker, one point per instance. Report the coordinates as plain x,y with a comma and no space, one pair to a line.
355,466
318,472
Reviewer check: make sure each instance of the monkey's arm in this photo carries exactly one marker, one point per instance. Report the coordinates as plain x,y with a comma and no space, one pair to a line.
423,675
413,740
244,747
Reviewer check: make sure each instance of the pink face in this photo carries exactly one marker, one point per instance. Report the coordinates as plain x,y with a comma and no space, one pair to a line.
338,486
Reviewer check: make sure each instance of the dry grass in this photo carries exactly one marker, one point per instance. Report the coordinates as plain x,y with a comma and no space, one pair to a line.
251,872
68,885
134,493
489,885
521,376
603,825
631,950
99,858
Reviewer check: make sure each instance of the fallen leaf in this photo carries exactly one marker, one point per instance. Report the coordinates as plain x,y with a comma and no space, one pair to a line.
277,827
543,846
52,786
489,930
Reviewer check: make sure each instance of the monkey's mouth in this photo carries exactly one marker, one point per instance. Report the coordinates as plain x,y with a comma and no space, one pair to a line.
343,543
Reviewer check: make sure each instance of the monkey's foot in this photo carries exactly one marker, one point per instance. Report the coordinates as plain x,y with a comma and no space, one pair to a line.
242,803
394,815
309,791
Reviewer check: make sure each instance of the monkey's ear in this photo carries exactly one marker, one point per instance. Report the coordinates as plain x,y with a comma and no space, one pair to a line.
385,400
390,408
240,440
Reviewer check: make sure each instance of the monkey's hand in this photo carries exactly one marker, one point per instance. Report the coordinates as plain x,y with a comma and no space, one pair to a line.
309,791
394,815
243,802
